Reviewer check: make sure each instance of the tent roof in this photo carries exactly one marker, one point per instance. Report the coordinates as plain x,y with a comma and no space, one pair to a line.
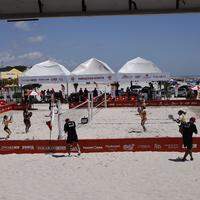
92,67
139,65
47,68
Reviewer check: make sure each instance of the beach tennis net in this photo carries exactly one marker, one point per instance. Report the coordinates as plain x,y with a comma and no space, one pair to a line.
97,104
75,114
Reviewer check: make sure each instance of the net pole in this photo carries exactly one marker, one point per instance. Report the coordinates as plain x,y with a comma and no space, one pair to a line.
89,114
105,103
92,104
67,90
59,120
52,113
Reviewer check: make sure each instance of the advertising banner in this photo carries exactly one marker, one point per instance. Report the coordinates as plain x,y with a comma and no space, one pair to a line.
164,144
132,103
140,77
101,78
43,79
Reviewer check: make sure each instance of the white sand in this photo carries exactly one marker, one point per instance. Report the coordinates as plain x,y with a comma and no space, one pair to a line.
107,123
108,176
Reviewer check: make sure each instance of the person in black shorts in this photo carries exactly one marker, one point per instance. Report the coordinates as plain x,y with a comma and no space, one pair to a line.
27,119
72,138
188,130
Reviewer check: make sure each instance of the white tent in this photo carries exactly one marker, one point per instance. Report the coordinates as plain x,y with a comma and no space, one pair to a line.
45,72
140,69
93,70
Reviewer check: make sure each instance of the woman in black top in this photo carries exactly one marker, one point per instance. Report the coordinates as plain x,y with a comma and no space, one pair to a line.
27,119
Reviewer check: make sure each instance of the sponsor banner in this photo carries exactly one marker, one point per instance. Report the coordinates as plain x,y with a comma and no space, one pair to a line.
45,79
185,102
138,77
7,107
97,145
104,78
131,103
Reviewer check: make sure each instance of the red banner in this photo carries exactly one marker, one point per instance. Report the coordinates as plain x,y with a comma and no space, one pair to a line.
7,107
184,102
132,103
166,144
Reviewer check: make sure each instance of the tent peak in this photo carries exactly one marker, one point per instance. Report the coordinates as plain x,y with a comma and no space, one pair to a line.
92,66
140,60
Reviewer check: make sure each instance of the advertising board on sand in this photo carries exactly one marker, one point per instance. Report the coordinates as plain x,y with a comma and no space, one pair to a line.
163,144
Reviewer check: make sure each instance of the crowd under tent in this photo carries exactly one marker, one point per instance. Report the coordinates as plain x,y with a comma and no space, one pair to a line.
141,70
45,72
93,71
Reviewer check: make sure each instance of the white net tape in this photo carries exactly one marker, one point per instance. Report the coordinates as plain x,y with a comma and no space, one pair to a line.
75,114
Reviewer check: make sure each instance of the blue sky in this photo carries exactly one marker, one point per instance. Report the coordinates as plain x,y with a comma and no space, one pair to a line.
172,42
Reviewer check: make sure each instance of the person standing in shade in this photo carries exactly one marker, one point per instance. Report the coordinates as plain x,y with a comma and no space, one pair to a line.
72,138
188,130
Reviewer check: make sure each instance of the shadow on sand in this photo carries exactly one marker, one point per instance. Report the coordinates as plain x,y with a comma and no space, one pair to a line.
135,131
59,156
177,159
64,156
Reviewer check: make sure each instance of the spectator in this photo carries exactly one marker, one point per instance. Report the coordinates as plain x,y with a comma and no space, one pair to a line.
75,87
117,88
80,94
95,92
128,93
85,92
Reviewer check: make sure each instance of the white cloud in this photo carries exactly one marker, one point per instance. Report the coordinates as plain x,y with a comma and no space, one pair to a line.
31,55
36,39
22,26
23,59
6,57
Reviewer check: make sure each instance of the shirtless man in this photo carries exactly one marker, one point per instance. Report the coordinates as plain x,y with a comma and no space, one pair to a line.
143,115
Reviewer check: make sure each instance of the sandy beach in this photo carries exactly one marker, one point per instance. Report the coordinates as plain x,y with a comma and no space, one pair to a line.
109,176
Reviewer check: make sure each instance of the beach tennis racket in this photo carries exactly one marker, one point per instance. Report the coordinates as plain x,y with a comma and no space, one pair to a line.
171,117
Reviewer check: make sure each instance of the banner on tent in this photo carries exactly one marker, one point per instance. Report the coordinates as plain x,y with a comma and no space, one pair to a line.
97,145
44,79
123,77
104,78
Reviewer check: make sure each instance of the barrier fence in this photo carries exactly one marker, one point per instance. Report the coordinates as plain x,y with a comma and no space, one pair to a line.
13,106
132,102
7,107
164,144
